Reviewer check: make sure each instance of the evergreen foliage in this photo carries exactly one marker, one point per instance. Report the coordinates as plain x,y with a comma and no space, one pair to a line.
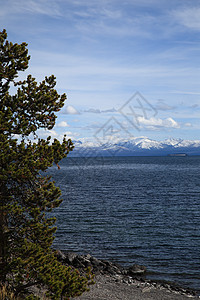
26,194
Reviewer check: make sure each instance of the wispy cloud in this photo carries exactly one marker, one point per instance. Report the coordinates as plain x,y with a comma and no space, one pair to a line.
93,110
195,106
101,75
101,52
161,105
186,92
43,7
99,111
188,17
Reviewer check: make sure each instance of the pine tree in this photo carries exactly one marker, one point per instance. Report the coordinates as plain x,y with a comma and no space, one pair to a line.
26,194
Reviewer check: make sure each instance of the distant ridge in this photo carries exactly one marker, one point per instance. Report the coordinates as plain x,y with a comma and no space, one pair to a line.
137,146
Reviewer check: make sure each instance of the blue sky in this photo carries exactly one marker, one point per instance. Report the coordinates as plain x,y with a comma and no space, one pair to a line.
103,52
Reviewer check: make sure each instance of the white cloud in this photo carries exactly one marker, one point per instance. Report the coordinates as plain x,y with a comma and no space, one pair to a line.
62,124
42,133
59,136
70,110
68,133
169,122
156,122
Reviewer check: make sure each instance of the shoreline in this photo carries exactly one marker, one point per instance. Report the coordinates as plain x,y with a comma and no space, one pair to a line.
107,288
113,281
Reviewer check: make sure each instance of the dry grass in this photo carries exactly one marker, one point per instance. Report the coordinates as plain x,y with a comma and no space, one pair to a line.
7,294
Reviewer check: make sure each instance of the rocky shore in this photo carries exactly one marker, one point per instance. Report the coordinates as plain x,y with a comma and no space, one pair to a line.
115,282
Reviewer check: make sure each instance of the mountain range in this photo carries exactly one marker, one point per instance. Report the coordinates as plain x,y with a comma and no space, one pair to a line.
136,146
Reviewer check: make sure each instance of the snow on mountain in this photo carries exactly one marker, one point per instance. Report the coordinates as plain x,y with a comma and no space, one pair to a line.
172,142
137,146
177,143
187,143
148,144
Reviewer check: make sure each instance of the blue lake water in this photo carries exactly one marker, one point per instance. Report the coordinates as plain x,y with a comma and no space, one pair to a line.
143,210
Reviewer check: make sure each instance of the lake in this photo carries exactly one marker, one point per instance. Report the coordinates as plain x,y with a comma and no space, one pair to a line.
143,210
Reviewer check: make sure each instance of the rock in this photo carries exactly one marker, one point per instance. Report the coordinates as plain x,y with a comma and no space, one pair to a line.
70,257
78,262
60,255
85,260
111,268
130,280
100,266
133,275
96,262
88,257
136,270
125,272
97,265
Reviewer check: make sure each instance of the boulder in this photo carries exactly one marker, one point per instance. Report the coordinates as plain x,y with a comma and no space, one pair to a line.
98,266
70,257
136,270
60,255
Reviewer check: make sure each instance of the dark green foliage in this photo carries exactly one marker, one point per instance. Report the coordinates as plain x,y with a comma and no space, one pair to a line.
26,234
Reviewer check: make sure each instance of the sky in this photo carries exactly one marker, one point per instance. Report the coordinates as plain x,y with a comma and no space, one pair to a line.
129,68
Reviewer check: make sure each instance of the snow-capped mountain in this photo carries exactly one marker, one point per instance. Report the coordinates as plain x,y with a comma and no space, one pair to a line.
137,146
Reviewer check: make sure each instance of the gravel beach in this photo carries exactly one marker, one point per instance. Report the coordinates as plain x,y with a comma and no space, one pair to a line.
115,282
109,288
